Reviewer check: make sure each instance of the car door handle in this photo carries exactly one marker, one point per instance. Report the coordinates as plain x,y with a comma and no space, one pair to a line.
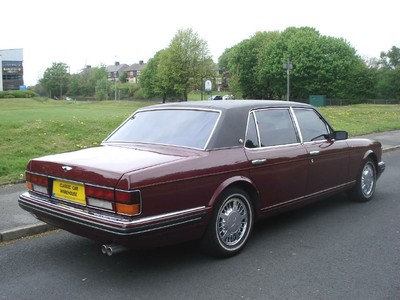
313,153
257,162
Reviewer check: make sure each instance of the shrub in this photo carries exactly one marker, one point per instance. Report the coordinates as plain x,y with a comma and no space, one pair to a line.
17,94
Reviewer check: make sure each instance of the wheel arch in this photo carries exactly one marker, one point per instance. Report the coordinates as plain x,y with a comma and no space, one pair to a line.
372,155
243,183
364,188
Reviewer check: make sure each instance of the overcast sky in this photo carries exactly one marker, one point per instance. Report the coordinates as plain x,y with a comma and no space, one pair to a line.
94,32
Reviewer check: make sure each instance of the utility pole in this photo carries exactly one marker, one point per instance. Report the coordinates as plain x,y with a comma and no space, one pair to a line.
288,66
115,84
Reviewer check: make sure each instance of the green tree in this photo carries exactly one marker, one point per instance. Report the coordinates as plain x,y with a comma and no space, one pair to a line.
127,89
391,58
154,79
102,88
243,62
388,74
178,69
149,81
361,83
123,78
74,85
85,83
321,64
387,86
183,63
89,78
56,80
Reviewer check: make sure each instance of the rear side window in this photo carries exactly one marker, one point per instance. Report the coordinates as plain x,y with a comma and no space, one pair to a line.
252,135
272,127
312,126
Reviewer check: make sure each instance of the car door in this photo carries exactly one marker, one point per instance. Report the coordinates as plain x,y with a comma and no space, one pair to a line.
328,158
278,161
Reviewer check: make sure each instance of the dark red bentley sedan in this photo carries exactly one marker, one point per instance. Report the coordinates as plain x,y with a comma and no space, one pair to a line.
199,171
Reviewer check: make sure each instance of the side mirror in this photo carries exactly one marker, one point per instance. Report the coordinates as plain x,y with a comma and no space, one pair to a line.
340,135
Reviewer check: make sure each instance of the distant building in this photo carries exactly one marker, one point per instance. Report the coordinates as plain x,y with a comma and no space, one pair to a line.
133,72
11,69
116,70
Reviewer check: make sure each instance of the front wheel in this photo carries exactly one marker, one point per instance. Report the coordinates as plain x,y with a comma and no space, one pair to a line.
230,225
366,183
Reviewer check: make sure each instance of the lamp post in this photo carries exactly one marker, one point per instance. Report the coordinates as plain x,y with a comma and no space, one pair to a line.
288,66
115,85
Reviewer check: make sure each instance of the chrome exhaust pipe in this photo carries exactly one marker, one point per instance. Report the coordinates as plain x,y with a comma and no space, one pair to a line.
111,249
104,249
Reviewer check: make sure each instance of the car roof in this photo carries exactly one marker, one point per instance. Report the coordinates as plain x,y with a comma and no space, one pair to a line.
230,104
231,128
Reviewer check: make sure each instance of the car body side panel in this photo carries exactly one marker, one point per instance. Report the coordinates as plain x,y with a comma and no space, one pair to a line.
360,149
282,177
328,165
188,183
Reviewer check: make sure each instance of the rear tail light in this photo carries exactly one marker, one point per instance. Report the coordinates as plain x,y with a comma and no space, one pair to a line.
100,197
127,197
37,183
128,202
127,209
100,203
119,201
99,192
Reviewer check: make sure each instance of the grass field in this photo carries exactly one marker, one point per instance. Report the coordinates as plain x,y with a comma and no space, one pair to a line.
363,118
34,127
31,128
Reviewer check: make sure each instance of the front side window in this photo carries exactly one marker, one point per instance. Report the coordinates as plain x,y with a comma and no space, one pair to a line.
312,126
177,127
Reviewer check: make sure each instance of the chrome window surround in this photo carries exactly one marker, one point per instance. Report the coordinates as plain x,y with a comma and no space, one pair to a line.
169,108
293,119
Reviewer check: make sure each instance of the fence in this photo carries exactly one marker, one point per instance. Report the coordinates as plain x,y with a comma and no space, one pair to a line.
343,102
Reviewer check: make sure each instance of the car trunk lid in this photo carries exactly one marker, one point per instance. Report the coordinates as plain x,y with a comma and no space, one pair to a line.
103,165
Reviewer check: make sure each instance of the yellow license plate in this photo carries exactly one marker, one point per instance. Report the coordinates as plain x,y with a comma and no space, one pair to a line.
70,191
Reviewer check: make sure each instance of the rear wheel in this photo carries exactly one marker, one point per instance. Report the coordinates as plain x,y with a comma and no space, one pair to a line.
366,183
230,225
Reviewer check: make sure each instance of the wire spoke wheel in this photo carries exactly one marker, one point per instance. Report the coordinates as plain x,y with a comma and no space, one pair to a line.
366,183
368,180
230,225
232,222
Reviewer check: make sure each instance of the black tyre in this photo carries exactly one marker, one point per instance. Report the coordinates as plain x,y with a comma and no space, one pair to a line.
230,225
366,183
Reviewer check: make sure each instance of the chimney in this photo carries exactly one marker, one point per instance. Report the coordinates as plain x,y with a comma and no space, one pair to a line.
117,63
140,62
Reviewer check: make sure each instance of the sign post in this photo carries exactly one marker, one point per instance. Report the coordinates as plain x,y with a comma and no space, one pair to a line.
208,86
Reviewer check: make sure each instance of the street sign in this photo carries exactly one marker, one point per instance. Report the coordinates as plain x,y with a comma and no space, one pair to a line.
208,86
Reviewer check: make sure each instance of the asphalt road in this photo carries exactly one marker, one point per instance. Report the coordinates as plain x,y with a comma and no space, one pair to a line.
334,249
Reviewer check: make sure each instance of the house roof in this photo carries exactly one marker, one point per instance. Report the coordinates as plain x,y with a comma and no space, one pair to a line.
136,67
117,68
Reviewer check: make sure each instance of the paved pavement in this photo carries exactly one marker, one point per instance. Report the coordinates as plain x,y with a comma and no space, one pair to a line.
16,223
